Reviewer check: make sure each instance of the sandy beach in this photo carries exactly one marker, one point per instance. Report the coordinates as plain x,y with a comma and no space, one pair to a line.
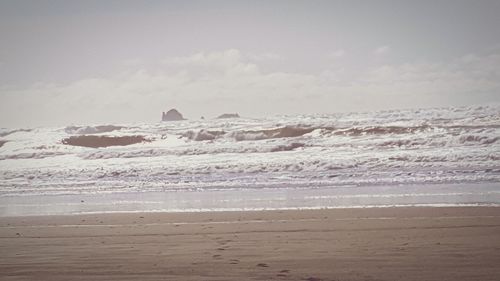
421,243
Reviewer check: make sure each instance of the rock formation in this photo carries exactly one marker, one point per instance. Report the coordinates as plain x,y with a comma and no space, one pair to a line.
172,115
228,115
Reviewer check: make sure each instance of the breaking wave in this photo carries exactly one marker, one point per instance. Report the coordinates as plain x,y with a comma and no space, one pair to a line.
31,155
103,141
251,135
287,147
284,132
478,139
297,131
203,135
382,130
4,133
190,151
87,130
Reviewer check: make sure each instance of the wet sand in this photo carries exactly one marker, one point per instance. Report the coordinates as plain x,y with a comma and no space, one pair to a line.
344,244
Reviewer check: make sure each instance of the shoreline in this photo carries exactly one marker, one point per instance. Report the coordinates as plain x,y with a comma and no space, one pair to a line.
467,194
270,210
410,243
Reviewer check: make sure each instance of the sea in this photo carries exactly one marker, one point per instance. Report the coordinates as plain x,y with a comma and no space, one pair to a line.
394,158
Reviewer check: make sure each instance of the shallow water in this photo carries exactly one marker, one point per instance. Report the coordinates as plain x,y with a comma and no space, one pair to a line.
248,199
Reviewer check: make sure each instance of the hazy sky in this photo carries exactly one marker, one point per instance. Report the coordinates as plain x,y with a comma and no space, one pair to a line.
80,62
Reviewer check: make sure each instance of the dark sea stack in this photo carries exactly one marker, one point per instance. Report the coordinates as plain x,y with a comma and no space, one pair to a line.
172,115
229,115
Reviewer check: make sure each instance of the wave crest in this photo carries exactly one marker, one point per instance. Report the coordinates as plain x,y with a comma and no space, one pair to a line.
31,155
8,132
297,131
284,132
87,130
203,135
382,130
250,135
479,139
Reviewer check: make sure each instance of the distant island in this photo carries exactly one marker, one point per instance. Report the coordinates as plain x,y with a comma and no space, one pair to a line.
228,115
172,115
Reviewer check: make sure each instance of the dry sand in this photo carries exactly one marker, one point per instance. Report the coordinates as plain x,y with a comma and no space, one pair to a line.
345,244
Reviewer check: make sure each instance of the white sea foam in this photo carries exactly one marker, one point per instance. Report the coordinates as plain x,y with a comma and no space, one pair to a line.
395,147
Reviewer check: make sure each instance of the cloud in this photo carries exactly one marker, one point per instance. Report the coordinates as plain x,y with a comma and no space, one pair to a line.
257,57
382,50
465,80
208,65
225,58
210,83
336,54
133,62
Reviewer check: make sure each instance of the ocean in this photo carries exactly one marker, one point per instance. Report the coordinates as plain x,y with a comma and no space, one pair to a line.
413,157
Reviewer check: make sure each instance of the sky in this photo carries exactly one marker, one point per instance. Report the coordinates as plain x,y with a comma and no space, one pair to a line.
100,62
